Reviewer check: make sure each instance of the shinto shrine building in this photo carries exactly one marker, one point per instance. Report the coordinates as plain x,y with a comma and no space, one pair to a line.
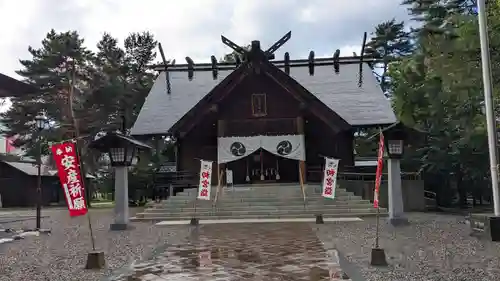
266,120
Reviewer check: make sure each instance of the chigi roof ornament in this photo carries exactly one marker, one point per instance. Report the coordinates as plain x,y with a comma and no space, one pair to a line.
246,57
360,82
255,51
165,68
190,68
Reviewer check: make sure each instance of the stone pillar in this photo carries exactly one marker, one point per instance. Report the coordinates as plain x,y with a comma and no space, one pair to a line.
302,164
396,207
121,199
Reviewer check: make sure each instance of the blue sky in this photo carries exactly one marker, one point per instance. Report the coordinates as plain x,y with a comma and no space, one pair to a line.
193,27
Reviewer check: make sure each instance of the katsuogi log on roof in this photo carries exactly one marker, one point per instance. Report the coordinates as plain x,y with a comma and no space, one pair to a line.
345,85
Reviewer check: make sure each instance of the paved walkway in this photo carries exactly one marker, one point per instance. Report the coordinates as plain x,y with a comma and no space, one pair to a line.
223,252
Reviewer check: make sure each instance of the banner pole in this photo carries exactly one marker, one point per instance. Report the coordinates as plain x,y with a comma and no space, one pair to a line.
377,231
83,174
195,204
95,259
377,254
92,239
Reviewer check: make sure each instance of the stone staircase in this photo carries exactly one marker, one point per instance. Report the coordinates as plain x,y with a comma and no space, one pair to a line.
268,201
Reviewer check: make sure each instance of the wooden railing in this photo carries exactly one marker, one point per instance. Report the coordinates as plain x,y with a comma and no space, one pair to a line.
170,183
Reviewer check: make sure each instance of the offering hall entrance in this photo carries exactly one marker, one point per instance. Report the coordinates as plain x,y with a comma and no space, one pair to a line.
262,159
264,167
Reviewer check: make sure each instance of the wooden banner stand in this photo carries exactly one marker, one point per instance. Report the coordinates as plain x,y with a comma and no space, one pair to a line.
378,255
319,219
95,260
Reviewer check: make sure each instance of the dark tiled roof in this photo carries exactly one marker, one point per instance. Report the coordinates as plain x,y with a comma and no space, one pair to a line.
161,110
10,87
112,138
31,169
365,105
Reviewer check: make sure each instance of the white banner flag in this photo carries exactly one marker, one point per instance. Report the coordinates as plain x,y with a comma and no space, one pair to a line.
205,180
330,177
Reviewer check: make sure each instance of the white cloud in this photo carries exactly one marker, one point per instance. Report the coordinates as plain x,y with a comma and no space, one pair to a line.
193,27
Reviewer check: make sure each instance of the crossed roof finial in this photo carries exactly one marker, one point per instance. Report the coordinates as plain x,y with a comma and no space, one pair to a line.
255,46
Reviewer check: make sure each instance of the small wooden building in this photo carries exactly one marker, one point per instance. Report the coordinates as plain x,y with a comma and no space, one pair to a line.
18,183
263,118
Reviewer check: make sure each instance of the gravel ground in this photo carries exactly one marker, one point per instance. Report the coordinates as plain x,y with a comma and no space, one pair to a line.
434,247
62,254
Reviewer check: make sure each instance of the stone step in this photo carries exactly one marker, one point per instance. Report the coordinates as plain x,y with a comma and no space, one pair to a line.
299,205
269,216
258,208
269,201
263,204
263,199
289,195
238,214
258,191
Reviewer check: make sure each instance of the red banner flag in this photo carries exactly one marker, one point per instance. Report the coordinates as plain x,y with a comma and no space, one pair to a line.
380,165
70,176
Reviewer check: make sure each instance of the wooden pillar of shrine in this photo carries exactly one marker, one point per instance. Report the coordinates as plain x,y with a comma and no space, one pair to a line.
221,131
302,164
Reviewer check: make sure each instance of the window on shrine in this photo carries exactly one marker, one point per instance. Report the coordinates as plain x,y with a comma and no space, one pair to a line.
259,106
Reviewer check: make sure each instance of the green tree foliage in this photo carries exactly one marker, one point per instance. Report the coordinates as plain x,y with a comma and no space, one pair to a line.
122,80
390,41
107,84
48,70
434,14
438,89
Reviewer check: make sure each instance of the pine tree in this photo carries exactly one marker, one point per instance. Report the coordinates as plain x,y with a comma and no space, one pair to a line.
108,84
435,14
139,53
389,41
122,79
50,70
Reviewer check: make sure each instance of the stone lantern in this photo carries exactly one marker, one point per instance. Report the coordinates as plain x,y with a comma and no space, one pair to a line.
395,137
122,151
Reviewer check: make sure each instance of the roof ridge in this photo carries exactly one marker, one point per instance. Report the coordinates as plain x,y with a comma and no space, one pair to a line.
359,106
224,66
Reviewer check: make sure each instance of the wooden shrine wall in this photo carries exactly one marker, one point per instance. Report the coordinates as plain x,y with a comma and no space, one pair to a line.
322,141
281,112
280,109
